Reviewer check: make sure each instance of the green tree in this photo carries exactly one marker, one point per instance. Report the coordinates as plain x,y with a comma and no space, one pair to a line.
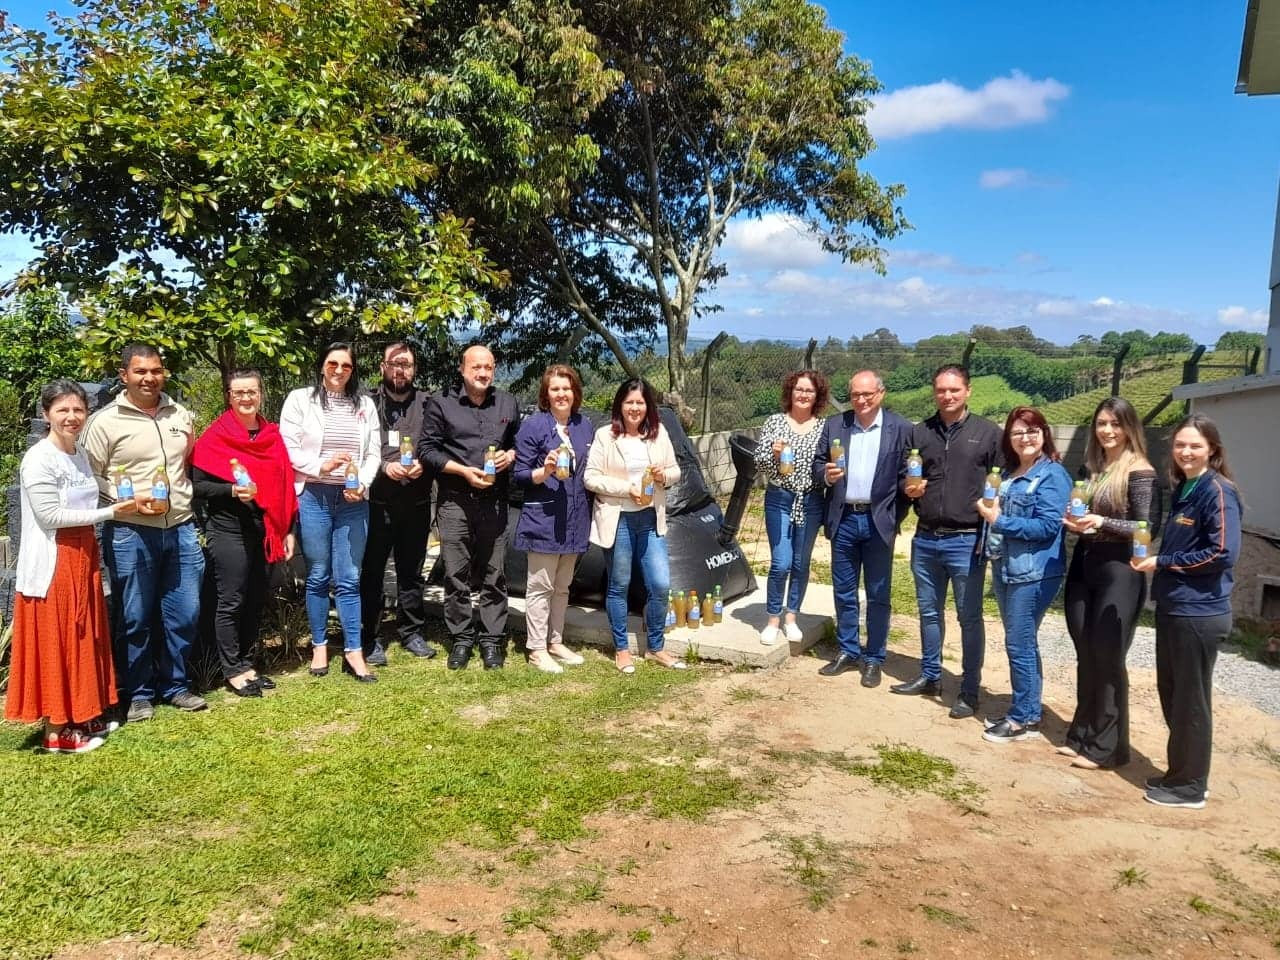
724,109
1239,340
37,343
220,179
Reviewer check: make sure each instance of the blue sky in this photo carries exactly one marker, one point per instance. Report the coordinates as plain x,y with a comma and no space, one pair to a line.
1075,167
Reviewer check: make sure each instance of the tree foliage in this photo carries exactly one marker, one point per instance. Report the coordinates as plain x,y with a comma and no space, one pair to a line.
37,343
220,179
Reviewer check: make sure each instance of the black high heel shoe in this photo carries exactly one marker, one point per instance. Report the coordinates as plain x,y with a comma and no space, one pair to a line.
319,671
359,677
250,689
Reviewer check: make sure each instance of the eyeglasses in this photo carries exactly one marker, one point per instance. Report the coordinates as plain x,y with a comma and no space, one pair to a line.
398,364
864,395
804,392
335,365
1028,434
243,394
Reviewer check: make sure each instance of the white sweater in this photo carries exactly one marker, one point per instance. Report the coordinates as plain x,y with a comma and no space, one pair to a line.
302,428
58,490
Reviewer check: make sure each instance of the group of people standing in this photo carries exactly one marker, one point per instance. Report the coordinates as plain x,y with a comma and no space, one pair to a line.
347,477
1000,498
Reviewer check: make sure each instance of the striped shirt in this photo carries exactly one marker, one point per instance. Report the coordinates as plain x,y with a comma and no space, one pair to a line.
341,433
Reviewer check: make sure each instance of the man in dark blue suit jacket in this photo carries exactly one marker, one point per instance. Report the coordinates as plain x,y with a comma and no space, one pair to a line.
864,508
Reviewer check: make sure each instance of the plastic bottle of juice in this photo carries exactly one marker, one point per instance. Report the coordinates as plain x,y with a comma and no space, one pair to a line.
787,461
1079,499
837,453
991,489
670,623
240,477
351,476
1141,541
160,491
406,451
718,606
694,614
490,467
564,462
915,465
682,610
646,487
708,610
124,485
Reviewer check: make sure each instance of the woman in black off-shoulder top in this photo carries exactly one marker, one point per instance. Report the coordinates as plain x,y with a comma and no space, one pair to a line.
1103,594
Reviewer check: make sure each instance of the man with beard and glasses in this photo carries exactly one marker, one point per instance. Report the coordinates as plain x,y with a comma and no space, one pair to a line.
399,510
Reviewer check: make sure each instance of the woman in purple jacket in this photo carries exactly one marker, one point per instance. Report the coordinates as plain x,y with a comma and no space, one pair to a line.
551,451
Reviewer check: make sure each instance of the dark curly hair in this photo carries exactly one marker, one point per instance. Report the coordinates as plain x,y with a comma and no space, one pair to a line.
820,385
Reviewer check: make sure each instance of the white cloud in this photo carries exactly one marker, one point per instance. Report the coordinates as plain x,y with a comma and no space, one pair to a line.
1003,179
1058,308
1011,101
773,242
1104,302
1242,318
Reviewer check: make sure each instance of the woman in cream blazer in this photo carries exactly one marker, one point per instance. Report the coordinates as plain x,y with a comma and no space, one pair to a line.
629,468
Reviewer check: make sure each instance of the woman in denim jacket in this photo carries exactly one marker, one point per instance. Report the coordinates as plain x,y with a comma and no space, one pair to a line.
1024,539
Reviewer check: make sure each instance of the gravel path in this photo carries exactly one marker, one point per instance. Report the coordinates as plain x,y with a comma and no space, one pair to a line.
1233,674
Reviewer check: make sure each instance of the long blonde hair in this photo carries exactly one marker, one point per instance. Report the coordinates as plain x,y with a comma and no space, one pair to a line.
1112,482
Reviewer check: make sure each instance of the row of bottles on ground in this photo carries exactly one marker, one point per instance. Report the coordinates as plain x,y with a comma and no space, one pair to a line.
689,611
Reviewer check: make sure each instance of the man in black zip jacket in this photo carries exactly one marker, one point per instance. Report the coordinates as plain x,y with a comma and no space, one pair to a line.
958,449
399,512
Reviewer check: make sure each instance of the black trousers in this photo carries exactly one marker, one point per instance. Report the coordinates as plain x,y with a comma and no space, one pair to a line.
473,548
240,578
1104,596
398,532
1186,650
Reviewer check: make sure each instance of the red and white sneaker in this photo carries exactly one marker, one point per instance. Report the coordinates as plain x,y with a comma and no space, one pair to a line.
100,728
70,740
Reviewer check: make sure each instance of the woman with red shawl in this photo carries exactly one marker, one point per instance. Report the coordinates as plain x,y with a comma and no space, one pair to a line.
241,470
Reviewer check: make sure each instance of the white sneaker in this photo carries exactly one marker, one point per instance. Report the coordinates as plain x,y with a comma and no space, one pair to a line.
541,660
565,655
793,632
769,636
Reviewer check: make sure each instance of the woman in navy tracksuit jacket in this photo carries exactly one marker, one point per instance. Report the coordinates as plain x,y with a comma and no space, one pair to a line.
1192,590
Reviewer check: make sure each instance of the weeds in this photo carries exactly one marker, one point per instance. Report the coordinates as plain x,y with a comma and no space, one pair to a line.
643,935
1130,877
1270,855
1266,752
745,695
578,945
946,917
817,865
691,655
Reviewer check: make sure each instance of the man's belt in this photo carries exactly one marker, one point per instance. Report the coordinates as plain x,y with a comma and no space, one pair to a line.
947,531
858,506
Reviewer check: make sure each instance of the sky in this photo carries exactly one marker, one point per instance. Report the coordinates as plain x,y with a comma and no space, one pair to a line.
1076,168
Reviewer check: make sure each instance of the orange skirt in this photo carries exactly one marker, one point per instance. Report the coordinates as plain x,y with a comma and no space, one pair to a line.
61,665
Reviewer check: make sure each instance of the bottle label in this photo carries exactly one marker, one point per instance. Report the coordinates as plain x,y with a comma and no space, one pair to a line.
671,617
1078,507
718,607
352,482
160,491
124,489
241,476
648,489
695,613
989,492
406,458
788,456
915,469
490,469
1140,551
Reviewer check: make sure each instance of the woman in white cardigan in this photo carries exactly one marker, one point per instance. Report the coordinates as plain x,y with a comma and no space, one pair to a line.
334,441
629,468
61,667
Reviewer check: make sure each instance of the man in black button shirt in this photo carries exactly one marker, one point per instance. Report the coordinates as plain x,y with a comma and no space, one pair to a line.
399,511
459,427
958,449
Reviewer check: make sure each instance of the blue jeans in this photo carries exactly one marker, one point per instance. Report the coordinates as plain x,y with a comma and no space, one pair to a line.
790,547
156,576
333,537
1022,607
855,549
637,542
936,561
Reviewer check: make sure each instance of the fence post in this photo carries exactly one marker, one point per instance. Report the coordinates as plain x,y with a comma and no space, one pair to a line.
1252,366
968,352
1191,372
1116,368
708,354
808,353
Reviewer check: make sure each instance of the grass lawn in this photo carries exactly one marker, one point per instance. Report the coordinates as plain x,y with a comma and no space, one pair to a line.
273,816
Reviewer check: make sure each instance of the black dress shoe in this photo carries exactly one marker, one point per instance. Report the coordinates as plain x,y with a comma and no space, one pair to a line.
870,674
459,655
318,671
839,665
919,687
266,683
419,647
492,654
377,657
250,689
963,708
359,677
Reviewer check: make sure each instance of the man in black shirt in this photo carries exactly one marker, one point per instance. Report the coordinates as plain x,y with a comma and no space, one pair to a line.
958,448
459,427
399,511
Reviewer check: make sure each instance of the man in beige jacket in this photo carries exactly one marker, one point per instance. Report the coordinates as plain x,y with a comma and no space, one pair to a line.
154,560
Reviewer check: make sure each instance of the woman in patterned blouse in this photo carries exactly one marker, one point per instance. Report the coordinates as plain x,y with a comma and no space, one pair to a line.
1103,595
792,505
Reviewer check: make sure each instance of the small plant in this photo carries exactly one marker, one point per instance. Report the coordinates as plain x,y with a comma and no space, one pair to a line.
579,945
745,694
1269,855
816,864
946,917
1266,752
906,946
667,917
627,867
1130,877
588,890
643,935
691,654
